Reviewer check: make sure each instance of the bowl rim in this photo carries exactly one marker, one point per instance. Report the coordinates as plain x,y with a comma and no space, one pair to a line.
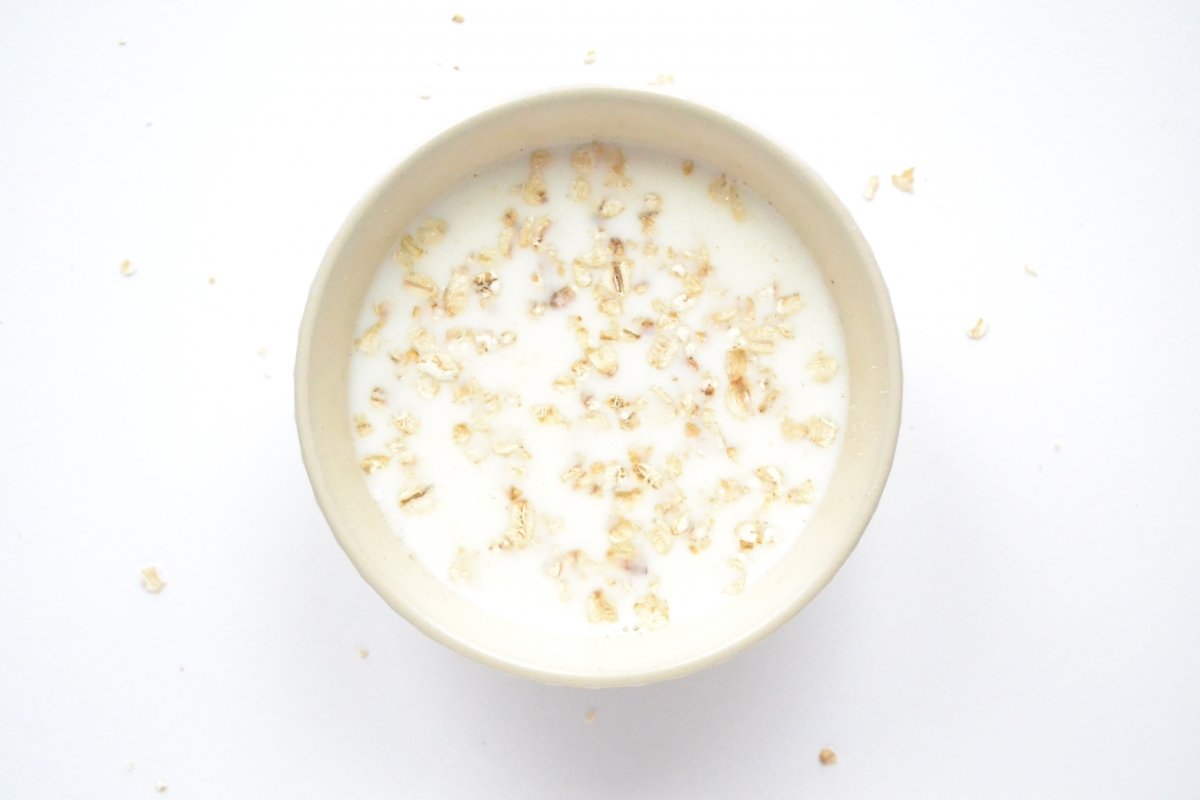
855,524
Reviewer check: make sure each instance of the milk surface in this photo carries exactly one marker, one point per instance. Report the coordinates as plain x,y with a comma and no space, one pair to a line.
598,389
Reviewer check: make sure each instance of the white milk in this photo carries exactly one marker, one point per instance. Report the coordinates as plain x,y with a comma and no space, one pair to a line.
607,516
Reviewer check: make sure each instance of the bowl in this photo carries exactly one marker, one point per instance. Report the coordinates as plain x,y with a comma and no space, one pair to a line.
328,330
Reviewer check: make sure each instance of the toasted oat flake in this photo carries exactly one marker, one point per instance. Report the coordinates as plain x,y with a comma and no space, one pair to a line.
652,610
548,415
827,757
454,297
460,433
363,652
904,181
378,398
789,304
416,498
458,18
603,359
621,269
583,161
662,350
428,386
127,268
622,531
406,423
374,463
659,535
648,475
819,430
803,494
610,208
600,609
533,191
533,234
369,341
623,555
871,188
440,367
431,231
421,284
770,477
590,716
573,475
581,275
485,342
737,399
738,583
362,425
736,363
562,298
409,251
152,582
510,448
823,367
725,192
581,189
487,284
688,166
979,330
750,534
464,565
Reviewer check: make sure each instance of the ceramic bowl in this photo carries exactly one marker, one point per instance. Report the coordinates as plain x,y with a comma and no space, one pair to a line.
328,330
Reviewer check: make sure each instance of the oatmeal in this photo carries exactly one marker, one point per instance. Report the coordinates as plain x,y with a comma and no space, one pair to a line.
596,393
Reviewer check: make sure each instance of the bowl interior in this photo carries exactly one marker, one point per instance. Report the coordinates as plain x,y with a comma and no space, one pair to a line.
665,123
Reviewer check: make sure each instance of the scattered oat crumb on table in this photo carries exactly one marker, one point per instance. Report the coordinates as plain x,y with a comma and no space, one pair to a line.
458,18
871,188
590,717
827,757
363,652
127,268
1030,271
122,42
128,765
212,280
160,787
589,57
979,331
152,582
904,181
663,79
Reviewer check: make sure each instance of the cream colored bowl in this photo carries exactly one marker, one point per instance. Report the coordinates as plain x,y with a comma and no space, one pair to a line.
327,333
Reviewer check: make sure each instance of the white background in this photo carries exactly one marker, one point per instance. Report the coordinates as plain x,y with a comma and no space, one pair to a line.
1021,619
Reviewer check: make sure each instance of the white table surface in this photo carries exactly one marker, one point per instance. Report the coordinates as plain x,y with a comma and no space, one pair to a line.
1021,619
